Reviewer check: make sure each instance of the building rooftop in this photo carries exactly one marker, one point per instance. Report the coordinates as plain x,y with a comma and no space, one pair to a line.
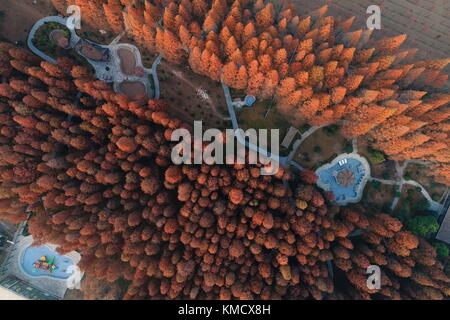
6,294
444,231
13,288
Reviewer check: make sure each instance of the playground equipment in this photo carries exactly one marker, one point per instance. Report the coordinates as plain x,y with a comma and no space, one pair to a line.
249,100
45,264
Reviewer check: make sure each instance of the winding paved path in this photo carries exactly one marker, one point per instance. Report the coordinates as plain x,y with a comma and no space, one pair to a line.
33,31
234,122
287,161
400,170
154,73
297,144
108,71
355,145
384,181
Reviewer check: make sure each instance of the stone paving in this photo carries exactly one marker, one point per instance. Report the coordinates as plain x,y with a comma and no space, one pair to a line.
108,70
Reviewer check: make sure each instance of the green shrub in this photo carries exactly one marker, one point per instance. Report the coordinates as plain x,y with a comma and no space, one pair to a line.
442,249
422,205
304,128
317,149
376,157
42,39
348,147
376,184
331,130
424,226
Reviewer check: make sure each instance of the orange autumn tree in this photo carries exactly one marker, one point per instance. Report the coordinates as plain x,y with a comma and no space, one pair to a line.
323,54
97,177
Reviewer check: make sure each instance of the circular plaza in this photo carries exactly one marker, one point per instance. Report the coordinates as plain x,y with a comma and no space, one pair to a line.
345,177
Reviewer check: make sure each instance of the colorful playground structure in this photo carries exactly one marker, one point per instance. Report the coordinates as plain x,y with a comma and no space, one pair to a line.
45,264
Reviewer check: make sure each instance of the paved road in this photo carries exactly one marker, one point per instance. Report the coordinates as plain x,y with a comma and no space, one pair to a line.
33,31
355,145
284,161
400,170
108,71
384,181
154,72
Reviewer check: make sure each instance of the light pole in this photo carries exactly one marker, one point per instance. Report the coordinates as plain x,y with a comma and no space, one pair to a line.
4,240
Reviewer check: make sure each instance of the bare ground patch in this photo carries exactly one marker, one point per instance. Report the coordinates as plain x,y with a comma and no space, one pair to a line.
193,97
20,15
320,148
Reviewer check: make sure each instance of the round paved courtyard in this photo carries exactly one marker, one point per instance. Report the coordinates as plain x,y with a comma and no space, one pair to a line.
345,177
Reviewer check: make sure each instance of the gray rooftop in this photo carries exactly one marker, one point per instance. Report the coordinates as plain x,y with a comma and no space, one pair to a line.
444,231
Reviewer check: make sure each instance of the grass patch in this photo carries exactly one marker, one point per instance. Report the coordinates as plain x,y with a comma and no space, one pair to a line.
331,130
42,39
424,226
43,42
442,250
95,36
254,118
376,157
321,147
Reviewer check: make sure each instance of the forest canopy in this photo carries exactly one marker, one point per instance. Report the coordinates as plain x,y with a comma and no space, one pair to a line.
96,176
317,68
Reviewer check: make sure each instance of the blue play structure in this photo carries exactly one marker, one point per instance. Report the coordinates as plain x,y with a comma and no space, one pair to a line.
328,176
43,261
249,100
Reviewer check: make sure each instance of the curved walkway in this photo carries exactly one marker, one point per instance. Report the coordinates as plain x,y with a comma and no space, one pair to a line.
234,122
154,72
109,71
33,31
288,161
297,145
400,170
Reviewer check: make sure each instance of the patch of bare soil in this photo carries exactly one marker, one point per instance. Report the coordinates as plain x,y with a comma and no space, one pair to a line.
133,89
196,96
20,15
319,148
58,37
127,61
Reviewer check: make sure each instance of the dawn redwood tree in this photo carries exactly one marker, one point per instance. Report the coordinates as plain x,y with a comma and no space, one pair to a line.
285,45
113,15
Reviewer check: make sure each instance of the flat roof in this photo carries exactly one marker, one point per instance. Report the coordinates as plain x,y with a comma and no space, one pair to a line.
444,231
6,294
